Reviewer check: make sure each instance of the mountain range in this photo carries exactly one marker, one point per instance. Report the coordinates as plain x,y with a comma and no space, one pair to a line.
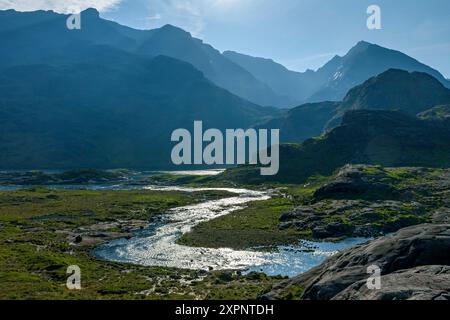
34,37
374,137
396,119
108,109
109,96
332,81
409,92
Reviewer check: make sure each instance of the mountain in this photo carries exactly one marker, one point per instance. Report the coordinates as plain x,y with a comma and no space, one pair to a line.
34,37
176,43
362,62
332,81
375,137
304,122
296,86
106,108
410,92
399,90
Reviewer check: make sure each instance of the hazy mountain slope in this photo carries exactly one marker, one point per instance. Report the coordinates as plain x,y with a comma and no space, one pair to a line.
37,36
115,110
409,92
179,44
362,62
400,90
332,81
297,86
386,138
303,122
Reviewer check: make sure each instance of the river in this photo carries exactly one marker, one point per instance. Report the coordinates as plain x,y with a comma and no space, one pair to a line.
156,245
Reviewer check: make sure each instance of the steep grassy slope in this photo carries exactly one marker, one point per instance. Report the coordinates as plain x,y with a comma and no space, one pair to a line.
394,89
104,108
386,138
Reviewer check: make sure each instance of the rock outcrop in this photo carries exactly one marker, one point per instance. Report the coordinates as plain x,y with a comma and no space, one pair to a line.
370,201
413,262
421,283
352,181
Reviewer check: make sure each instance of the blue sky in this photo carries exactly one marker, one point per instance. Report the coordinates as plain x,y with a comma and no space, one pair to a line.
300,34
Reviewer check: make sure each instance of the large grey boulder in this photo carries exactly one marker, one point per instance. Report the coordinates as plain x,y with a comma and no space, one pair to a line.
420,283
422,245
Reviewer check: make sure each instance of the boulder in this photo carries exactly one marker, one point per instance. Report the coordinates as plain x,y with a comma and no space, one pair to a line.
332,230
422,245
420,283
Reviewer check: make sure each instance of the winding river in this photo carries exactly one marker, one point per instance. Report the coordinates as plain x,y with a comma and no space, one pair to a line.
156,245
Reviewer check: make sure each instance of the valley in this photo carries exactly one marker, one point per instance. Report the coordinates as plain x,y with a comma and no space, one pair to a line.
43,231
97,160
109,233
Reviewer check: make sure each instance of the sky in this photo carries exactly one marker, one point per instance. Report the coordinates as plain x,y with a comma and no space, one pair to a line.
300,34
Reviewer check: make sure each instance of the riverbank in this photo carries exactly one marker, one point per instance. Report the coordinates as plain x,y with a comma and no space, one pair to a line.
253,226
44,231
357,201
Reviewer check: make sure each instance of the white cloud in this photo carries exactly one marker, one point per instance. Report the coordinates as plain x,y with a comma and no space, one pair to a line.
62,6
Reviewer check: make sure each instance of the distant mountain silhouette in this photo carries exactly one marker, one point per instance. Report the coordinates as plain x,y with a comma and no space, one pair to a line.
295,86
32,37
109,96
362,62
108,109
304,122
400,90
332,81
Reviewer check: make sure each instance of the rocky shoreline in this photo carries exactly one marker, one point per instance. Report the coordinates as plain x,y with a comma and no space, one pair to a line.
414,264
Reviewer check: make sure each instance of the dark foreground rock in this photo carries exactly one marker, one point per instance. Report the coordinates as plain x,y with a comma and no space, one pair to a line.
420,283
414,265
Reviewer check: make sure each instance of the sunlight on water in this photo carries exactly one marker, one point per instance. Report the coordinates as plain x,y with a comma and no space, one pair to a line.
157,245
293,260
213,172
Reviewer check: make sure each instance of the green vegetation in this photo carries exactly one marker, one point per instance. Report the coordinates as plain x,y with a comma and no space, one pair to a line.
254,226
206,181
438,113
412,142
37,227
293,292
81,207
257,225
356,201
